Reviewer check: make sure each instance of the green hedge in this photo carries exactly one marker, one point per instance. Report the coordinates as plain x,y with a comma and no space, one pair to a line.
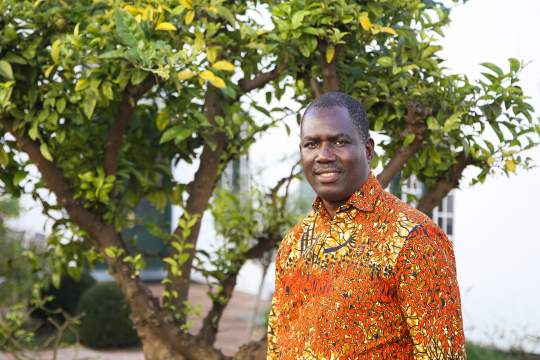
67,296
106,324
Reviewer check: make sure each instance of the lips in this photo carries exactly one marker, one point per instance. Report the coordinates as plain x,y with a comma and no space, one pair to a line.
327,175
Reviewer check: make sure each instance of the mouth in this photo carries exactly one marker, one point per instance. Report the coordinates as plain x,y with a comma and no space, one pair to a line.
327,175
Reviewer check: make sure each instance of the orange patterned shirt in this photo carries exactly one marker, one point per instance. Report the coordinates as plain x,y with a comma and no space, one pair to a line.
376,282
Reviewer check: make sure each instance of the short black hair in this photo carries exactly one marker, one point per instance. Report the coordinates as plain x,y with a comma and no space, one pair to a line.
336,99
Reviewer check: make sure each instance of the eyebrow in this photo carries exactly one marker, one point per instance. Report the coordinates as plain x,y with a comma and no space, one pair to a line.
331,138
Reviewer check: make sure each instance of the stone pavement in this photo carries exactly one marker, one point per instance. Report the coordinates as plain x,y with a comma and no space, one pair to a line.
232,332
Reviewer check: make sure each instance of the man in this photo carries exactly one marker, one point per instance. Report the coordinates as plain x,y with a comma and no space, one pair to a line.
364,276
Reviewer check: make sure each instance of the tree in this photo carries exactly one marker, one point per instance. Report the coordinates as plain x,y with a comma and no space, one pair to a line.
102,97
436,124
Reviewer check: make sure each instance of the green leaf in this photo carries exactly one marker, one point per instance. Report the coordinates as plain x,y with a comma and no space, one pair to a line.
408,140
114,54
128,30
514,64
61,134
175,132
493,68
163,119
14,59
434,154
56,279
60,105
111,252
378,125
5,70
4,157
227,14
466,147
385,61
311,31
74,273
453,121
297,18
55,50
304,50
432,124
89,104
107,90
45,152
138,76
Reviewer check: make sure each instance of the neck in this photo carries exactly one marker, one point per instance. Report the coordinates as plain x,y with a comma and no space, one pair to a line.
332,206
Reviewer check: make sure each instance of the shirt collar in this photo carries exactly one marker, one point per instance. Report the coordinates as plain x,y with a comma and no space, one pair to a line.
363,199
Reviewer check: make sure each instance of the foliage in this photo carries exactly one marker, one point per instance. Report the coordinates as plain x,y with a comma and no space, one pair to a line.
16,279
106,324
391,51
66,297
18,337
103,97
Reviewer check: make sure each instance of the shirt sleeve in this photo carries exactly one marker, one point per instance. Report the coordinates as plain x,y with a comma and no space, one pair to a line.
428,293
273,351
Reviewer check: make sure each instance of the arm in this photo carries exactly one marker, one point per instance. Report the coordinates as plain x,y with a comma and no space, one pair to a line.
273,351
429,294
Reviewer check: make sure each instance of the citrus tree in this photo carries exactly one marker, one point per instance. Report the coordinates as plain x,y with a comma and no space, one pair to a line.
384,53
99,99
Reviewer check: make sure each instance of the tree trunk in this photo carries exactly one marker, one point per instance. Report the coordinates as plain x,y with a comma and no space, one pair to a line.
417,113
330,74
442,187
200,191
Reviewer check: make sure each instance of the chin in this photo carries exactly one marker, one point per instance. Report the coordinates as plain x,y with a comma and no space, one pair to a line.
332,195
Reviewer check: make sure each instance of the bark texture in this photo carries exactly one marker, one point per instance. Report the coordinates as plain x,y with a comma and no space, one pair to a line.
148,316
417,113
330,74
200,191
255,350
209,329
125,110
443,186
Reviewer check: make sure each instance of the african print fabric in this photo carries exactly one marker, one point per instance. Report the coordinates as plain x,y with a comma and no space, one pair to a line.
376,282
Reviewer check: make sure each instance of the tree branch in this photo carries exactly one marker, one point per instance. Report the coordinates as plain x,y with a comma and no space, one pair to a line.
443,186
200,191
125,110
330,75
315,87
209,328
416,114
153,319
261,79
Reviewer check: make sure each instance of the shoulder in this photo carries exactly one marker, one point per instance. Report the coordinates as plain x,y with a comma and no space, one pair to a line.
408,228
407,216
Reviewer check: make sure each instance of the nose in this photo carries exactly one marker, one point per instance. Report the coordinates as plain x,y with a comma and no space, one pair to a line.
325,154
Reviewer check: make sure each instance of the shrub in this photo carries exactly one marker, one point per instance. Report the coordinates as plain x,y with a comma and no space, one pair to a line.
67,296
106,324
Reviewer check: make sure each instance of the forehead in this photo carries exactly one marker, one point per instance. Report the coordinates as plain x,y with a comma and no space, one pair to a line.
328,121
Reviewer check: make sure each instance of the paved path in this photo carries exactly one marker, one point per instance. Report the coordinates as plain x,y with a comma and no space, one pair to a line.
232,333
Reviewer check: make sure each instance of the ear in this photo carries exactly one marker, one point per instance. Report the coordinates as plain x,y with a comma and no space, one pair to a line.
370,149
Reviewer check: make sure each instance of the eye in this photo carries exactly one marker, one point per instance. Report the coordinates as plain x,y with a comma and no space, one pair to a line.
310,145
340,143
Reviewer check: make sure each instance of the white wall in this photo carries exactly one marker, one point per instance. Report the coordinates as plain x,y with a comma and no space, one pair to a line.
496,241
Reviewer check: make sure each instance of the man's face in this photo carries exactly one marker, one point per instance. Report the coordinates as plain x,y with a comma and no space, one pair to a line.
335,159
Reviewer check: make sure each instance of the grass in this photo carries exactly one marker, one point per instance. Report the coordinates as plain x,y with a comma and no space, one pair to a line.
477,352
